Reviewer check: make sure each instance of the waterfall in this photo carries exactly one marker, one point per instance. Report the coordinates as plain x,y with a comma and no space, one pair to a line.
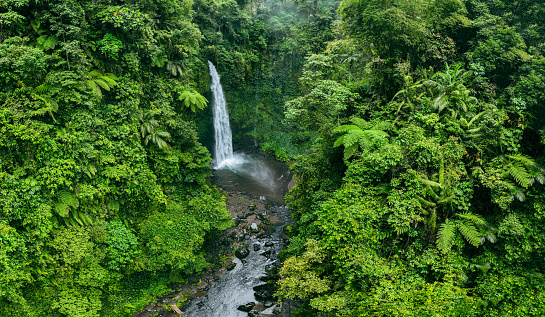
223,149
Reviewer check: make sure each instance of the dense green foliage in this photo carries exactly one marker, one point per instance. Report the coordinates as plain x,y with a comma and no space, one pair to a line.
423,194
102,178
415,131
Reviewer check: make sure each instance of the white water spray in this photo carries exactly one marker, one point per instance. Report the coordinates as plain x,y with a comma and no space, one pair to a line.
223,150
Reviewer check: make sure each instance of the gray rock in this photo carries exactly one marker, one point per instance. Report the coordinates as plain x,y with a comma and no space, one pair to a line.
257,247
254,227
269,244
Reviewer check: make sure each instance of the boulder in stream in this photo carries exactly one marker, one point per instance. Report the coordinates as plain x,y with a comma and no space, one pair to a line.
246,308
257,247
242,253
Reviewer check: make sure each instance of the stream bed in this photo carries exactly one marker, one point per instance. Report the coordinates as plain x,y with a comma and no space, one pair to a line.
243,290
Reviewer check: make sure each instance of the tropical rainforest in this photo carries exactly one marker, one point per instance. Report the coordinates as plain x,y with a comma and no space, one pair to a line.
415,131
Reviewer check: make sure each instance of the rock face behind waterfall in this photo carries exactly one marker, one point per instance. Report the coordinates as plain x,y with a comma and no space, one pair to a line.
223,149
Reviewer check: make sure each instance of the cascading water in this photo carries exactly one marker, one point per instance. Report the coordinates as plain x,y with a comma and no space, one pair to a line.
222,131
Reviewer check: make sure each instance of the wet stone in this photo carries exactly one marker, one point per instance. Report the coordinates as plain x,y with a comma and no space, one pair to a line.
268,304
257,247
231,266
264,295
268,254
269,244
242,253
246,308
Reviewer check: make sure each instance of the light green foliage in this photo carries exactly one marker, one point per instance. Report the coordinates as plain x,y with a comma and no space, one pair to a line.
362,135
122,245
175,236
110,46
327,100
193,100
300,278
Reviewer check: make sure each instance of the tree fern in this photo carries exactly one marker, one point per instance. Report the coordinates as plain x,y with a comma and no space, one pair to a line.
360,134
524,159
469,225
193,100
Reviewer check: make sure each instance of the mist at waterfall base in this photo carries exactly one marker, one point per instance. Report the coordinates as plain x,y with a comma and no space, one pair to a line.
253,174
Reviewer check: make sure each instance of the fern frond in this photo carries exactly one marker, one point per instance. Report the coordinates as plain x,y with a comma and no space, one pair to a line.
469,232
383,125
362,124
524,159
376,134
519,194
351,139
402,229
339,141
44,88
102,84
520,174
474,218
349,151
445,236
346,128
